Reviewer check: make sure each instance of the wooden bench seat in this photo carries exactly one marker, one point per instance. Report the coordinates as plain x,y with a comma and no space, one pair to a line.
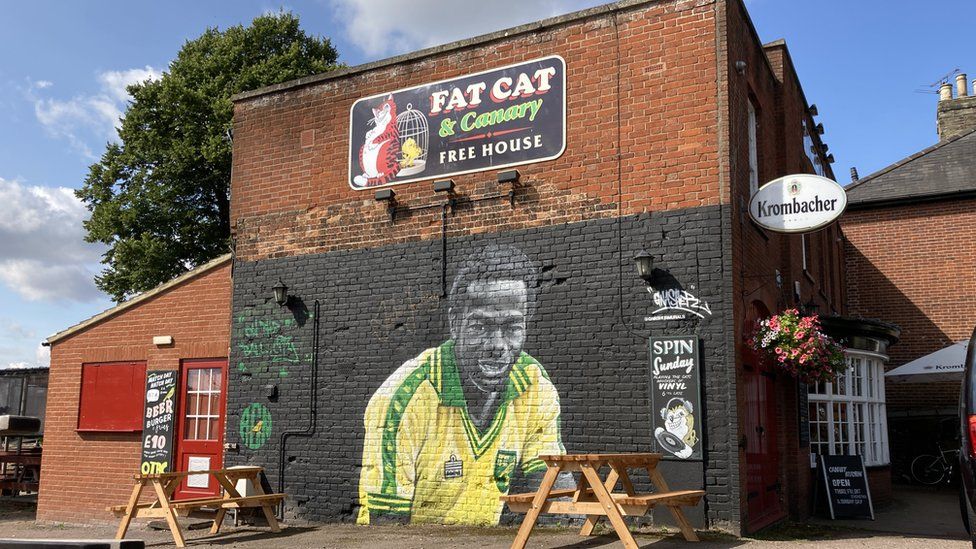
528,496
194,504
674,497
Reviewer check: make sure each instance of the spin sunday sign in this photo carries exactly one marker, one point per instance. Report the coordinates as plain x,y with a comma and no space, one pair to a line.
486,121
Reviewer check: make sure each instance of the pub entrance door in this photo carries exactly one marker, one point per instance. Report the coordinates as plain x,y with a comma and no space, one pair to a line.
763,489
200,429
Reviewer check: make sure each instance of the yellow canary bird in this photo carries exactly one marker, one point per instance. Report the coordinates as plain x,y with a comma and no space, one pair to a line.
410,150
257,426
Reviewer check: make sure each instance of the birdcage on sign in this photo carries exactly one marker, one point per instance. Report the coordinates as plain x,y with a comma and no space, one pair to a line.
414,138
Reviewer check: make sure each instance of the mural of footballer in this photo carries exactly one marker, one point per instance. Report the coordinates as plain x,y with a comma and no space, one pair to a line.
446,432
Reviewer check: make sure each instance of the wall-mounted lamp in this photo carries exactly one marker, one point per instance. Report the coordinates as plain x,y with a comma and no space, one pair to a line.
509,177
388,196
812,109
740,67
645,266
280,292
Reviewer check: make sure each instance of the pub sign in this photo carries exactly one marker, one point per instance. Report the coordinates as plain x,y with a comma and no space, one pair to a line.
158,423
485,121
676,410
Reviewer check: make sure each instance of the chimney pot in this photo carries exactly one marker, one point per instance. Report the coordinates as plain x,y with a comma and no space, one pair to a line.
854,176
945,92
961,90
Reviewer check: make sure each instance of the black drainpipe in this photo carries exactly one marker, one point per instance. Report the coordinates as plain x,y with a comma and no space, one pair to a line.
312,406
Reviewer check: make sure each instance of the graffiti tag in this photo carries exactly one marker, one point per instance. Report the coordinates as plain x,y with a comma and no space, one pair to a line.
676,299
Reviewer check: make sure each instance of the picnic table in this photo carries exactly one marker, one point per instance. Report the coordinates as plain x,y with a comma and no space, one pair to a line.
164,506
594,496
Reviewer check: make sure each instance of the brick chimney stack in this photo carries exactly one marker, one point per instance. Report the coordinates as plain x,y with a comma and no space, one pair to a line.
956,115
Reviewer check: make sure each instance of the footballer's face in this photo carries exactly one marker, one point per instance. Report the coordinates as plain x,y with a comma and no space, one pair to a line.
490,331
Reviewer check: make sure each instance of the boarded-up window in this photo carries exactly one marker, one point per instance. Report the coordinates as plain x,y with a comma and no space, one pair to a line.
112,396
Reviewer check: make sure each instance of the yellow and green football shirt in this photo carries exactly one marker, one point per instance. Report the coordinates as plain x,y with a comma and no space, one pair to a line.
423,457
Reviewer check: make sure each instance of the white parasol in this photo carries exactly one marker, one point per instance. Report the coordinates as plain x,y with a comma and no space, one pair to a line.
946,364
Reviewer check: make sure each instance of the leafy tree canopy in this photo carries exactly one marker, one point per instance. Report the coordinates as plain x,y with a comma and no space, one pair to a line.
160,198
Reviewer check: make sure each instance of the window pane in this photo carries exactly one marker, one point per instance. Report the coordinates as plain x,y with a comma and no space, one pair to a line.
191,429
840,385
215,379
212,429
857,377
840,428
193,381
192,404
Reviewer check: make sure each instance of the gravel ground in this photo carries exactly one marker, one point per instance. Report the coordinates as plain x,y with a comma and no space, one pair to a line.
17,521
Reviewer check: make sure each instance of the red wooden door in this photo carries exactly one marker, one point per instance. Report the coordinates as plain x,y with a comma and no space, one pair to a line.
759,434
200,430
762,453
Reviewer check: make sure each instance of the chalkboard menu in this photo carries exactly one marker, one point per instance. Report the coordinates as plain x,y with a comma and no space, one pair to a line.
676,397
158,422
846,485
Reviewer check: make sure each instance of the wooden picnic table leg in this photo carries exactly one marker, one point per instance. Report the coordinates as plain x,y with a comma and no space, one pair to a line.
592,520
230,491
613,513
525,530
269,515
174,525
679,516
130,510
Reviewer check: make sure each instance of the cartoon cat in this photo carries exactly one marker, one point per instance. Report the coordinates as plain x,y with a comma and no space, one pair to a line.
379,156
678,435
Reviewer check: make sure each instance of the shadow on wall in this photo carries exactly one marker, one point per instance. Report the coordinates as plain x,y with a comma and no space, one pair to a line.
911,406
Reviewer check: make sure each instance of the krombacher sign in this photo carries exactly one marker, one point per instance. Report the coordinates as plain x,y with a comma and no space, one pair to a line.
798,203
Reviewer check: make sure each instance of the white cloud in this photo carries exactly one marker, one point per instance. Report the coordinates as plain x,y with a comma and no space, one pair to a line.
42,358
42,355
114,83
43,255
85,119
388,27
12,330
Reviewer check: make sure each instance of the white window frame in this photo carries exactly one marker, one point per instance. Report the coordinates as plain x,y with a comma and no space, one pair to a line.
753,131
867,437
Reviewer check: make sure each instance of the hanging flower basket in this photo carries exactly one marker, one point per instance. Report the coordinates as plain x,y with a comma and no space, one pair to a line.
796,344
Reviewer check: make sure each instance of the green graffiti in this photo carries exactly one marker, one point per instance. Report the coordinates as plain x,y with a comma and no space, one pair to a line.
279,349
255,426
268,341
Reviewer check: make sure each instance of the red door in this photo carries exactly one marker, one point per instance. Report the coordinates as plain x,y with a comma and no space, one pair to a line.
759,434
200,431
762,454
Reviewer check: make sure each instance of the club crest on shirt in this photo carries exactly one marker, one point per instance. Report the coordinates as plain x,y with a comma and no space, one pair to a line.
453,468
504,468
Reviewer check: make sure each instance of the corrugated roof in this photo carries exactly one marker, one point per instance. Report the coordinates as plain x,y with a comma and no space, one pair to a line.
105,315
946,169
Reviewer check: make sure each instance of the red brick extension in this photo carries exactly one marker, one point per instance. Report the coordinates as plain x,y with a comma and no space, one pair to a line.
85,472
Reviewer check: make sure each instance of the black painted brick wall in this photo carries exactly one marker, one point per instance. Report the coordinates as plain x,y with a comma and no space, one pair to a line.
380,307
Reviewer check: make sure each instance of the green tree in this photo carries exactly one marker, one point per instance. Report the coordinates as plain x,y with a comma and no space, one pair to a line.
160,198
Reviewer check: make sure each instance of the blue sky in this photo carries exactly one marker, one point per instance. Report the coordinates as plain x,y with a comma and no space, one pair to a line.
64,65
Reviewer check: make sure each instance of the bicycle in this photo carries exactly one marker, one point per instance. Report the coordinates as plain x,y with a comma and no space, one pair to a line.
931,470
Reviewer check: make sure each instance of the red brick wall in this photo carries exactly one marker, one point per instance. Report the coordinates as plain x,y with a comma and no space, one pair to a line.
290,195
85,472
769,80
913,265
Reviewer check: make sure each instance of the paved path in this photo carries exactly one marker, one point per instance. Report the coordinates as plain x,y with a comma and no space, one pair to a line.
16,520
